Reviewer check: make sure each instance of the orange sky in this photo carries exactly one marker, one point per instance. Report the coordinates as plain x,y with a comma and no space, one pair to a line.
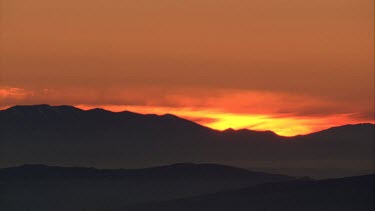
289,66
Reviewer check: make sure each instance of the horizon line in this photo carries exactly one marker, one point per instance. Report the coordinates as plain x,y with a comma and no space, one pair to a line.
178,116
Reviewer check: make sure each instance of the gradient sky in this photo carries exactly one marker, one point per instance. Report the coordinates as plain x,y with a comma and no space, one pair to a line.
290,66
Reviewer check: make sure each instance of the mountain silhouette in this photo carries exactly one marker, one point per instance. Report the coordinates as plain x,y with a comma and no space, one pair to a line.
68,136
40,187
174,171
344,194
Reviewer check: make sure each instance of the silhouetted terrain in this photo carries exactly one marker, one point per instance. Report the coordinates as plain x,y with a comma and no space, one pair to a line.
45,188
65,135
346,194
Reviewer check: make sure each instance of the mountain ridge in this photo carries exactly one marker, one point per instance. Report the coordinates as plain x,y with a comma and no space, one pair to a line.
48,107
177,170
67,136
45,188
349,193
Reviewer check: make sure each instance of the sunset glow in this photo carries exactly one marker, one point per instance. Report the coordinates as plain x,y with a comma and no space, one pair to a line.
284,126
180,104
293,67
285,114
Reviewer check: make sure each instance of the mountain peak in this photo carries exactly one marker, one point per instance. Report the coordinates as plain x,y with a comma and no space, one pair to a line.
170,116
229,130
99,110
349,128
41,112
250,132
26,107
42,107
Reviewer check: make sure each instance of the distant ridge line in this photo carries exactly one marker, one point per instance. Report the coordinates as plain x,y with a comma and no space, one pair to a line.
98,109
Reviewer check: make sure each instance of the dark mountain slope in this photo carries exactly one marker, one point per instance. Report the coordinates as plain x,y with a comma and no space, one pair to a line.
64,135
175,171
346,194
39,187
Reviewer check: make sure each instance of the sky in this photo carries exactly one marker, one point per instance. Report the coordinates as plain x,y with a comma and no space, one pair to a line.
290,66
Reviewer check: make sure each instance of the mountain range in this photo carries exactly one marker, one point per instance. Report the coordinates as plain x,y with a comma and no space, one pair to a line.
45,151
68,136
183,186
344,194
45,188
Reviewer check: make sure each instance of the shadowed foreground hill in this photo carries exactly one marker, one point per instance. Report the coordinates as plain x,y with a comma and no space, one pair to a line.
65,135
44,188
346,194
